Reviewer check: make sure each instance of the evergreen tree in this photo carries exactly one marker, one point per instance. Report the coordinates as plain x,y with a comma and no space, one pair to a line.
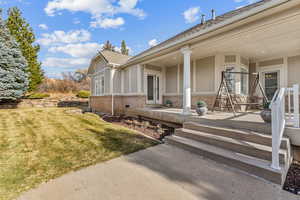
124,49
25,37
108,46
13,75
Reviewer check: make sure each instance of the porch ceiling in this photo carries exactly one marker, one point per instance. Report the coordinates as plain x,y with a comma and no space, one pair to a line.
279,38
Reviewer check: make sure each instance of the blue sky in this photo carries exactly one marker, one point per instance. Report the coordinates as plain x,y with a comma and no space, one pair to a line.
71,31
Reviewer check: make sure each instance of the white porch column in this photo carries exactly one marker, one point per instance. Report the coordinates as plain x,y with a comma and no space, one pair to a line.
186,80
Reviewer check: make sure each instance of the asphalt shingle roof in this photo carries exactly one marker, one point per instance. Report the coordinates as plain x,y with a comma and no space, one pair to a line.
206,25
115,57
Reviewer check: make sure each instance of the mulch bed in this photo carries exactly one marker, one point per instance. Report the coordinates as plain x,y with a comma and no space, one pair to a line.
151,129
292,183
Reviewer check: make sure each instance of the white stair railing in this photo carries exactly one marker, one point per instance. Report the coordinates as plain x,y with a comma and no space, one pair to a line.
280,117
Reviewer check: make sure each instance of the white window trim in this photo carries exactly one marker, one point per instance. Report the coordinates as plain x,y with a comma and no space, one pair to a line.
160,75
246,68
273,68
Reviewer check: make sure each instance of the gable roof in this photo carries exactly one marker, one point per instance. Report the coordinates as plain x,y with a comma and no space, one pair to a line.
209,26
112,57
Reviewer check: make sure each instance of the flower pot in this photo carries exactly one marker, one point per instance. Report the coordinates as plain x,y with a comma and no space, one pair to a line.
169,105
266,115
201,111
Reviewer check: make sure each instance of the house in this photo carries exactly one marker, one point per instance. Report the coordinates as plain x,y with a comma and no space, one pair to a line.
262,38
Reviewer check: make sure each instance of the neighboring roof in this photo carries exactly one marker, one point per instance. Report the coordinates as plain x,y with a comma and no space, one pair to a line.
206,25
114,57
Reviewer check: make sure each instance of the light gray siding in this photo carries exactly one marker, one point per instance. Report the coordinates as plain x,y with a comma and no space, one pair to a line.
266,63
293,70
117,82
126,81
205,74
171,79
134,79
107,81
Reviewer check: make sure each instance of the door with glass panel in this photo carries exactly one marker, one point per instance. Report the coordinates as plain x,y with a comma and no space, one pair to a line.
153,89
271,82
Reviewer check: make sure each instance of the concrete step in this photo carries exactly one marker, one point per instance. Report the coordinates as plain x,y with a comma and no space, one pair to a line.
244,135
251,165
236,145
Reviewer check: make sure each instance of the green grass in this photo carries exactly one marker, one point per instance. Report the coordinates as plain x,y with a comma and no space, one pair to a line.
38,96
37,145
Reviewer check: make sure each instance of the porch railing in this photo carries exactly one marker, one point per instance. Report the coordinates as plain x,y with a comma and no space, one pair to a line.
280,117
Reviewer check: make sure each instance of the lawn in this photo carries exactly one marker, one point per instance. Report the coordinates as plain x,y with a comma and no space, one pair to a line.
37,145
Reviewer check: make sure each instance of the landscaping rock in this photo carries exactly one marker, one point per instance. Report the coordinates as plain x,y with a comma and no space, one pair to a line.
292,183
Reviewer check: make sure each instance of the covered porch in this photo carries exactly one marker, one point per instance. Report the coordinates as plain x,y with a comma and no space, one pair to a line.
247,120
185,75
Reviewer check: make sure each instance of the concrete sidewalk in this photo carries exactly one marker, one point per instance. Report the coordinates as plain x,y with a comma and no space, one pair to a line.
162,172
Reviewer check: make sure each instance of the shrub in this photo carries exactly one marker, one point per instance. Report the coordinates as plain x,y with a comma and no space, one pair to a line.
201,104
83,94
169,102
266,105
38,96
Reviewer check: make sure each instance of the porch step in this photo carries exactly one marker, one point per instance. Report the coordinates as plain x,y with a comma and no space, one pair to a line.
240,161
244,135
237,145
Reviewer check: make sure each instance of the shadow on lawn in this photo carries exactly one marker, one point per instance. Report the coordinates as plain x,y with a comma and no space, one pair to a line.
121,141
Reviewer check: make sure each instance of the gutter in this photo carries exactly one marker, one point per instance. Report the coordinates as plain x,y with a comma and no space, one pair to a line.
210,29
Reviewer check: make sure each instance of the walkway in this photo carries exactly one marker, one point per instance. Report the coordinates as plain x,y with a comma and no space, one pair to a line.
158,173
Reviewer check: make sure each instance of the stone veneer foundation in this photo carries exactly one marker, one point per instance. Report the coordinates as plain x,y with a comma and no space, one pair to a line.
121,103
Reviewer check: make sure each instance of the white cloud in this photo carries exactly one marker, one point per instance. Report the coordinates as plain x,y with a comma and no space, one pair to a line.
78,50
102,11
191,15
43,26
58,37
153,42
108,23
76,21
66,62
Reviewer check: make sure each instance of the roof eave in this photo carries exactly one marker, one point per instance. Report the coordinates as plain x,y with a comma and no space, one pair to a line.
226,22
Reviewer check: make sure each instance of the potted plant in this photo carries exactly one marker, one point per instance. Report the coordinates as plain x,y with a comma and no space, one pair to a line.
201,108
169,103
266,113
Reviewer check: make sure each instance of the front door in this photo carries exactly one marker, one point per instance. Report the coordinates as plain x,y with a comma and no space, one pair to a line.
153,89
271,82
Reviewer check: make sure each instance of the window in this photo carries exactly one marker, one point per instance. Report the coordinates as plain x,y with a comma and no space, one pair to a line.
237,82
271,83
230,79
101,85
98,85
244,81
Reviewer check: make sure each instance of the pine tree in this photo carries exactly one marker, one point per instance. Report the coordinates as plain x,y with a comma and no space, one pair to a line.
124,49
13,75
25,37
108,46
